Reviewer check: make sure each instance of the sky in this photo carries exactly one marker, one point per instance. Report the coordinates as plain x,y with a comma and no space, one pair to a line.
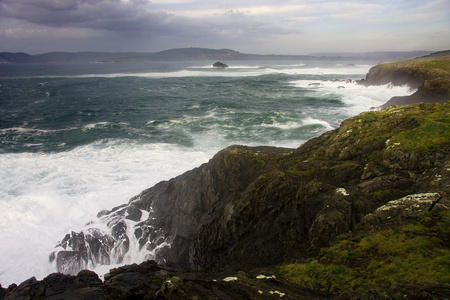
250,26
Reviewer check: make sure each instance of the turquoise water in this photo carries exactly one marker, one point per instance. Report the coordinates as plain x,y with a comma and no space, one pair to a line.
79,138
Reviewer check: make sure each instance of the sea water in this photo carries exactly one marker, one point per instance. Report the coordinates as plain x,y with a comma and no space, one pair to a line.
76,139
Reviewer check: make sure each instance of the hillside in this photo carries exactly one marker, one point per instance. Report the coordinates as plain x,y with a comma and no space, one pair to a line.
187,54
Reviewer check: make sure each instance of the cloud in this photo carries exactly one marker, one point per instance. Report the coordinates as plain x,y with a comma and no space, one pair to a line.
286,25
94,14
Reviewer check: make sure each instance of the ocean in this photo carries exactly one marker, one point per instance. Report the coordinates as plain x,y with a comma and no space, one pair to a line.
76,139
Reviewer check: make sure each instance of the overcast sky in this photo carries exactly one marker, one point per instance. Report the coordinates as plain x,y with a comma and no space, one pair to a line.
249,26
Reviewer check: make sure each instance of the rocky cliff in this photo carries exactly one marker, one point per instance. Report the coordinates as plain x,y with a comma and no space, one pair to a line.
257,207
253,207
430,75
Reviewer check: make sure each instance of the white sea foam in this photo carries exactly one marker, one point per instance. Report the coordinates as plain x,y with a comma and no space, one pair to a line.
305,122
229,67
234,71
44,196
334,70
227,72
358,97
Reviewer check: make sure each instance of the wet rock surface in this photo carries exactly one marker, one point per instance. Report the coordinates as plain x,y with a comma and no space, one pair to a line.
149,280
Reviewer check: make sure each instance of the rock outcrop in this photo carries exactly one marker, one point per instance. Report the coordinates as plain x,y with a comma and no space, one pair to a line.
251,207
429,75
220,65
151,281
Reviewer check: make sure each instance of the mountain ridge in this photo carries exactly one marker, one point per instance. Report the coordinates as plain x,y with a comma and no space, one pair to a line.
193,53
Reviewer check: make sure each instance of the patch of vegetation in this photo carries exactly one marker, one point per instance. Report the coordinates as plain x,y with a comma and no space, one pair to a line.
382,196
344,163
441,66
421,127
294,171
432,128
414,254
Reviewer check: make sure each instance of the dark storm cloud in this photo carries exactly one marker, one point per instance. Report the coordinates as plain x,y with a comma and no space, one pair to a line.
268,26
119,19
112,15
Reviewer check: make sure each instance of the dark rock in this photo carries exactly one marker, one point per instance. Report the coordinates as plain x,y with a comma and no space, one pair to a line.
151,281
86,285
434,90
220,65
82,248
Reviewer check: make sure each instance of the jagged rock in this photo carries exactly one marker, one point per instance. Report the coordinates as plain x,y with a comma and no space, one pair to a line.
86,285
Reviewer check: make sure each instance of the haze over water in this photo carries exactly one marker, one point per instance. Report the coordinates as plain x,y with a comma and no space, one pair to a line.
79,138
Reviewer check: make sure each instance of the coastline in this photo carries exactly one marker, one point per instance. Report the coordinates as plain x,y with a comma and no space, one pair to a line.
265,156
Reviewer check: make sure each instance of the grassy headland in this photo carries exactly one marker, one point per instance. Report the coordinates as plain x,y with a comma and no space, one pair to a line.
429,74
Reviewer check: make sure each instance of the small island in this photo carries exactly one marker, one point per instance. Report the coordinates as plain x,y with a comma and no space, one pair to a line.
220,65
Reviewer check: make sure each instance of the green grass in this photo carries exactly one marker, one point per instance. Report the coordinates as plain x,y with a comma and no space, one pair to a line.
420,128
428,130
415,254
433,65
294,171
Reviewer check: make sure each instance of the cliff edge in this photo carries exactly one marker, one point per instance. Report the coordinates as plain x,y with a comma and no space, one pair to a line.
430,75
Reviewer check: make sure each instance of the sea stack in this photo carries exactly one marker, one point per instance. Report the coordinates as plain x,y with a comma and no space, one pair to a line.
220,65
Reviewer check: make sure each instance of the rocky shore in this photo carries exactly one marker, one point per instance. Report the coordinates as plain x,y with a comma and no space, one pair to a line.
430,75
242,224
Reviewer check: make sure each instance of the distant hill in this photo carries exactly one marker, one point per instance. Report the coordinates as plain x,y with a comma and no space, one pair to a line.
180,54
6,57
382,55
193,54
